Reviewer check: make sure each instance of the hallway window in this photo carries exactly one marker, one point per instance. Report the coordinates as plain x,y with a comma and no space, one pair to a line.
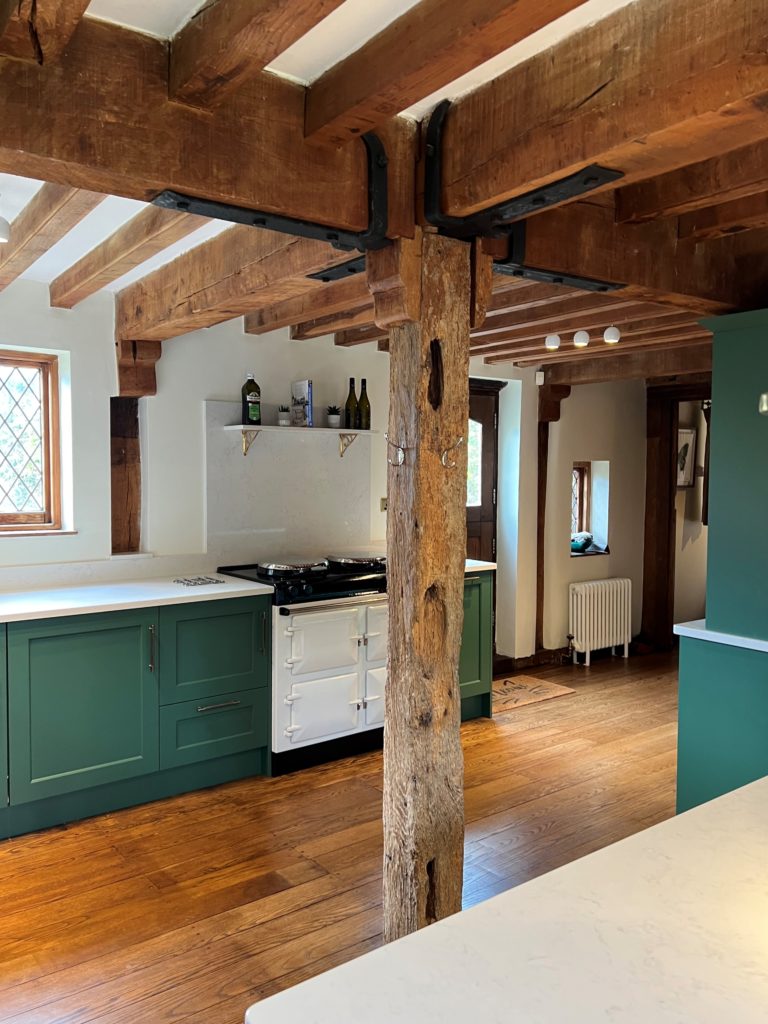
580,486
475,465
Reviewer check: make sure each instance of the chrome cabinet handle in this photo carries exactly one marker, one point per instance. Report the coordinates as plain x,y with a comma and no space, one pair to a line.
215,707
152,642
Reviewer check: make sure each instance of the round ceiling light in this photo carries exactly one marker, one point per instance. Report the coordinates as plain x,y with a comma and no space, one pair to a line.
581,339
612,336
552,342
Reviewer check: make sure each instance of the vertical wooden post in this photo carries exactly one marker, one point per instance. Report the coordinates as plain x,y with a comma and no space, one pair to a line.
126,475
422,290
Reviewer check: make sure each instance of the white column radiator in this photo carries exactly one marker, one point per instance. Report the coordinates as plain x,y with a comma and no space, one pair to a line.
600,615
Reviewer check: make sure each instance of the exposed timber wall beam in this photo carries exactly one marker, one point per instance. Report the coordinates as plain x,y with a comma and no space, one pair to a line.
38,30
633,366
429,46
360,336
225,277
362,317
229,42
126,475
47,217
76,123
706,98
723,178
319,300
136,367
145,235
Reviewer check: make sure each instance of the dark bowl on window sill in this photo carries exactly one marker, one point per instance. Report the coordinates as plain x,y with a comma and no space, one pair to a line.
593,549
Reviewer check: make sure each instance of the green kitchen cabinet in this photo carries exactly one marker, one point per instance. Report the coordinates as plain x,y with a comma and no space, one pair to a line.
229,723
3,718
476,658
209,648
82,702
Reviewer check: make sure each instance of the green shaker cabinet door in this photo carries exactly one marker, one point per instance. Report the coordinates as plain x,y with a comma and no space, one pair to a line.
227,724
214,647
475,662
82,702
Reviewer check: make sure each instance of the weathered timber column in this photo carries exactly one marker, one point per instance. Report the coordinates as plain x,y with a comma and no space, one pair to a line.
423,294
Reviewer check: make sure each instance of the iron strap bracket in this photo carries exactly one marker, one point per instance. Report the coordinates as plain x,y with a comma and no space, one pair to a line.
515,266
496,221
373,237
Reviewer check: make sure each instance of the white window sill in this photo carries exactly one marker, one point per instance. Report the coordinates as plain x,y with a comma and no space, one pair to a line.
38,533
590,552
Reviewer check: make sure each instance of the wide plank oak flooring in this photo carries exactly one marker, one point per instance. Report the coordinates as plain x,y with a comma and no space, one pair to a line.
187,910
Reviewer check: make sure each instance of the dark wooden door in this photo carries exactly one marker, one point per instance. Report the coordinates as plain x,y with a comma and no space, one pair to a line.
482,447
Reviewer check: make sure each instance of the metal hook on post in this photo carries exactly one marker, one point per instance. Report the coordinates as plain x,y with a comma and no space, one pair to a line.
446,453
399,448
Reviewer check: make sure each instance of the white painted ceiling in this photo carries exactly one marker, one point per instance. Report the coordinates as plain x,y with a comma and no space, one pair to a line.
344,30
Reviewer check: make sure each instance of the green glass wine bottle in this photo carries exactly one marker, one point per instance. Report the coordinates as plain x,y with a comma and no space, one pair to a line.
350,408
364,408
251,402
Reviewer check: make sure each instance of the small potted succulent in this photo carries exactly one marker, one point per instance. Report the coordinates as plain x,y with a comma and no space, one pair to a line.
283,416
334,416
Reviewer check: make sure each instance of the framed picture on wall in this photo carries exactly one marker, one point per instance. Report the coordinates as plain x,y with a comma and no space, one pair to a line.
686,457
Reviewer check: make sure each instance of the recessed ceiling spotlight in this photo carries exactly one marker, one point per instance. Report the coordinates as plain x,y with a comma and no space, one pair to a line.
581,339
552,342
612,336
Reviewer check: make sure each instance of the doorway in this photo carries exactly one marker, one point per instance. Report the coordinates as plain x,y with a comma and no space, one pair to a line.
482,468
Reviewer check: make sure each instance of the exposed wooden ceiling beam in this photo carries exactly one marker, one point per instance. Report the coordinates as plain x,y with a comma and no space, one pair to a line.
229,42
324,325
557,112
585,306
679,338
360,335
318,301
747,214
725,177
583,240
429,46
634,366
145,235
47,217
100,118
231,274
38,30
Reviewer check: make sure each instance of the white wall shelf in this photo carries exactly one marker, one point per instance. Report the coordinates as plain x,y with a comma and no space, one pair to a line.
346,437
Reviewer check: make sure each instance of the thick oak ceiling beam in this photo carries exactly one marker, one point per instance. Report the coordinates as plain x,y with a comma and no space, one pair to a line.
584,306
747,214
320,300
429,46
324,325
47,217
650,88
101,119
360,335
229,42
38,30
725,177
240,270
582,239
634,366
145,235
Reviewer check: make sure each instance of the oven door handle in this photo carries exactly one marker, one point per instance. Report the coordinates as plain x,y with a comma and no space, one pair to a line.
291,698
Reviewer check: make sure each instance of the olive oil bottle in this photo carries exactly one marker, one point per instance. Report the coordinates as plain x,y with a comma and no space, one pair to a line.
363,408
251,393
350,407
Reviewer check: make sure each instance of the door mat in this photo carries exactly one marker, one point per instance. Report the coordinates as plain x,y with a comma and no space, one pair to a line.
517,691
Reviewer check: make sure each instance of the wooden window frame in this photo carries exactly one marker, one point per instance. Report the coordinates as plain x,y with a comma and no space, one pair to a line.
584,469
50,518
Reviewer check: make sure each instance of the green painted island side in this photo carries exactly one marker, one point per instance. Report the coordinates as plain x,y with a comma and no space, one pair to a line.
476,658
723,720
737,544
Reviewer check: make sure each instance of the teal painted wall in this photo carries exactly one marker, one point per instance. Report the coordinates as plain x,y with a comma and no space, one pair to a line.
737,569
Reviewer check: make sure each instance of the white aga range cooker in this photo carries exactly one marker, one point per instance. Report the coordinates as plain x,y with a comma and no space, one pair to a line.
329,647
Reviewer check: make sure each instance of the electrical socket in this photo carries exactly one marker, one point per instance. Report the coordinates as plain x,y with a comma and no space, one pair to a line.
383,504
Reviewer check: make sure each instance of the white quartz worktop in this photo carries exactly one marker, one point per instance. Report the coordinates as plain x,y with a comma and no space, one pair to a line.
669,926
473,565
697,630
16,606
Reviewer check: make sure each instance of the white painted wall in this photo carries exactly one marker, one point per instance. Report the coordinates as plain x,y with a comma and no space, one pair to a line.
597,422
691,534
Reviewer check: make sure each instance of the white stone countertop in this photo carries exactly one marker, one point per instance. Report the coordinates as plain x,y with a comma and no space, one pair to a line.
697,630
473,565
669,926
51,603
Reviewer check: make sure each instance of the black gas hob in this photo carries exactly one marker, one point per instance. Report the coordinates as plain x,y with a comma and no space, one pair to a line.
297,581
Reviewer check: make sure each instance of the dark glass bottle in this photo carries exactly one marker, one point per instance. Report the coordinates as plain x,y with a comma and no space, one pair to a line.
363,408
350,408
251,393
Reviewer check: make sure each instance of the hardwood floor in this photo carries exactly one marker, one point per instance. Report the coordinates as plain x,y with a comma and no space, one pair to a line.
190,909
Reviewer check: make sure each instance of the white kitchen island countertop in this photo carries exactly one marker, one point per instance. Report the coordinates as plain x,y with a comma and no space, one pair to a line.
669,926
473,565
697,630
44,603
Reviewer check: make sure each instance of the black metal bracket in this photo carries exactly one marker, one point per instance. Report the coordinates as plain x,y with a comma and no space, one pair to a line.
373,237
341,271
515,266
498,220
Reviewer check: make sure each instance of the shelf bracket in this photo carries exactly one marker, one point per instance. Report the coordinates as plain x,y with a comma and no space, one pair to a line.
249,436
345,440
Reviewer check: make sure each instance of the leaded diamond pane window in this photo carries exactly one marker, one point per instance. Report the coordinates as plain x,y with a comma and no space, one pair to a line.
29,458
